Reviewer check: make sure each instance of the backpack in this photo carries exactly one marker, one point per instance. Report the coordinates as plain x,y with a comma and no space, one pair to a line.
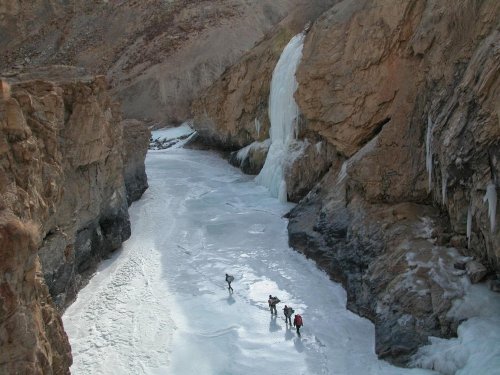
229,278
291,311
298,320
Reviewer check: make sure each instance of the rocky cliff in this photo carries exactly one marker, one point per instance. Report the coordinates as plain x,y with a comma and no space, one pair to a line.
63,207
135,146
399,110
157,54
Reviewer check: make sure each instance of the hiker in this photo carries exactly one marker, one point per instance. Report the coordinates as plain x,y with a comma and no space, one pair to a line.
288,311
273,301
229,279
297,322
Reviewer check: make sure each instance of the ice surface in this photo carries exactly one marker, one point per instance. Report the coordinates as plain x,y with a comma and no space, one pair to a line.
161,306
283,114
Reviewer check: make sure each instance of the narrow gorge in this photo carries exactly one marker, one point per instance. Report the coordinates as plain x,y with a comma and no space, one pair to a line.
368,132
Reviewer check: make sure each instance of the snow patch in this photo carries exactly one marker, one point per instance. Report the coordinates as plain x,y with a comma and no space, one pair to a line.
318,147
171,137
476,350
243,153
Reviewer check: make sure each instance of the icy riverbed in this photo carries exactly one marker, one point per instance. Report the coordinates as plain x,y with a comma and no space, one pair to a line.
160,305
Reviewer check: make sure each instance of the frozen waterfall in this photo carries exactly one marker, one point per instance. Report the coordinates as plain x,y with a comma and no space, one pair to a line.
491,198
283,114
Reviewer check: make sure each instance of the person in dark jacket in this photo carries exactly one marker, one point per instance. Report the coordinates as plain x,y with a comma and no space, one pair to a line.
229,280
272,301
288,311
297,322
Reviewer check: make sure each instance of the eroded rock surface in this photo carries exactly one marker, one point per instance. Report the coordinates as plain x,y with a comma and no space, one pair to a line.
136,137
234,111
158,55
394,86
63,206
399,107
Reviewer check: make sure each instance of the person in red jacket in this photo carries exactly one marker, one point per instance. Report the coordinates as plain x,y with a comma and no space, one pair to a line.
297,323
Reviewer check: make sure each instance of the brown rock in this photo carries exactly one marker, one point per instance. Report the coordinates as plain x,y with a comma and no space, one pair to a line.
136,137
233,112
4,90
155,53
251,158
374,76
476,271
62,206
32,336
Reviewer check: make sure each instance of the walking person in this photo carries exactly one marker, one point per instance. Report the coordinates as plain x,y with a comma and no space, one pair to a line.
229,280
297,322
273,301
288,311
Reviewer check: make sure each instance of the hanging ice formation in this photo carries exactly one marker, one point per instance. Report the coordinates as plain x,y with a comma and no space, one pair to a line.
428,151
283,114
491,198
360,154
257,126
469,225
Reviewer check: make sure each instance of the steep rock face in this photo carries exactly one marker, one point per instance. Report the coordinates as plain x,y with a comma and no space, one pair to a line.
32,337
63,207
136,141
155,52
385,88
392,85
233,112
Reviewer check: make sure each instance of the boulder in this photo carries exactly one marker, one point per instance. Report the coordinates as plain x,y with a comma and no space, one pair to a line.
476,271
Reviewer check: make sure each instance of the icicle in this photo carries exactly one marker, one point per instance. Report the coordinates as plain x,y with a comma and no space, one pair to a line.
257,126
428,151
282,195
491,197
343,173
283,114
360,154
318,147
444,183
469,225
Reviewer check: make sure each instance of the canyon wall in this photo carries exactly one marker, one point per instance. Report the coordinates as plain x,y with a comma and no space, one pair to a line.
156,54
63,206
399,117
135,146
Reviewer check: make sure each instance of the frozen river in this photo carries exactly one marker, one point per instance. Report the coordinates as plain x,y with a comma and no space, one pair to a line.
160,305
